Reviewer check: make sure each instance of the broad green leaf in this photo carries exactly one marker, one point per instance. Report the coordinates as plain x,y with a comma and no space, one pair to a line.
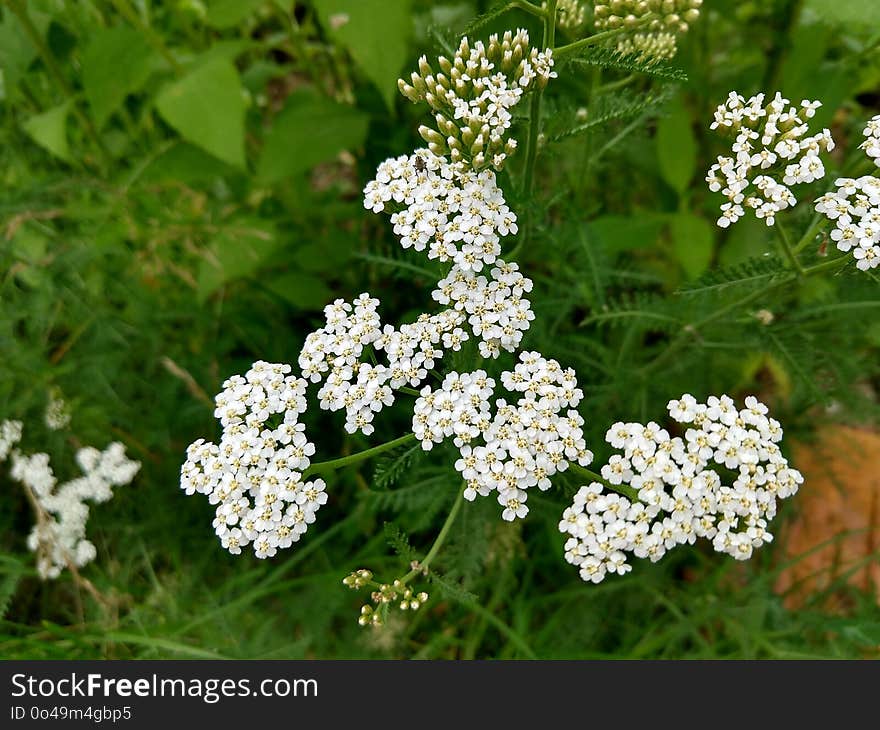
625,233
229,13
17,52
676,148
185,163
807,49
324,255
237,252
375,32
226,50
310,129
844,12
207,108
116,63
303,291
692,242
49,130
748,239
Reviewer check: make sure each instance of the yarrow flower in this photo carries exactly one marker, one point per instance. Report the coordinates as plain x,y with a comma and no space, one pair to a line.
10,435
496,307
332,354
653,25
523,444
59,535
675,493
472,96
855,208
770,154
871,145
456,214
57,414
254,475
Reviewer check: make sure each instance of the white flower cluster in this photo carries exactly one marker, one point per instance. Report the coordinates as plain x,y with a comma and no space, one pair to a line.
59,535
680,495
770,144
332,354
871,145
456,215
523,444
57,414
10,435
496,307
855,208
255,474
472,96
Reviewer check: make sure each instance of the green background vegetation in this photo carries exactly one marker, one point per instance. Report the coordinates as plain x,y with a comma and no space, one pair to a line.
181,196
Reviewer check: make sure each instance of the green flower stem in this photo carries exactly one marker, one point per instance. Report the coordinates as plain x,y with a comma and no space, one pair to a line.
567,50
689,330
810,235
322,467
615,85
423,565
528,183
622,489
20,11
535,108
787,249
535,10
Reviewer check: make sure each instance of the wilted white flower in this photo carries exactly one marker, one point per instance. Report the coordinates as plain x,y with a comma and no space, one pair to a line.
770,153
59,535
677,493
10,435
57,414
519,447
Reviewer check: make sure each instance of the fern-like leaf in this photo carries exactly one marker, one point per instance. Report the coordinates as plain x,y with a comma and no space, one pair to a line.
611,58
399,542
496,11
753,271
451,590
391,467
623,105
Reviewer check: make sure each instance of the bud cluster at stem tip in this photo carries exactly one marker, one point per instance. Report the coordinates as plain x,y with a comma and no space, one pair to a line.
472,94
653,24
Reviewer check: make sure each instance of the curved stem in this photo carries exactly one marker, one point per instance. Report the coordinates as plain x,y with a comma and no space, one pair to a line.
810,235
535,10
622,489
423,565
322,467
535,108
534,132
787,248
592,40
